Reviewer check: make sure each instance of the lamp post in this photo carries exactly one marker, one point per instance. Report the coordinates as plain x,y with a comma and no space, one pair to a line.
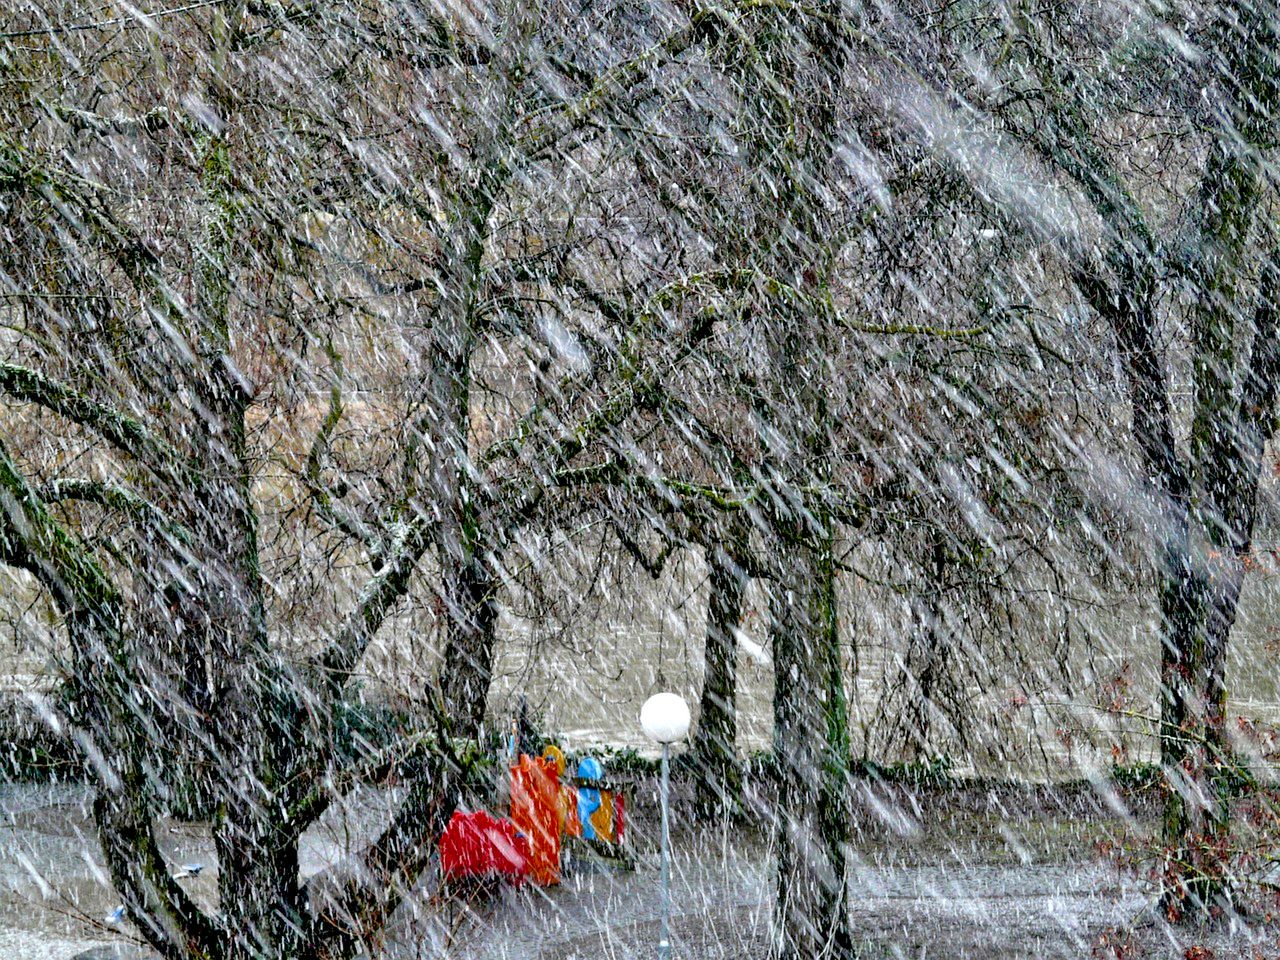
665,719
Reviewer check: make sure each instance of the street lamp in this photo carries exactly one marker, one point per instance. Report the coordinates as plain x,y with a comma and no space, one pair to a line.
665,719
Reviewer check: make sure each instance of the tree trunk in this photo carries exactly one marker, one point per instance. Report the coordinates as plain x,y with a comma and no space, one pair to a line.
257,709
715,749
467,667
112,723
811,917
1202,562
466,592
1131,313
123,805
811,739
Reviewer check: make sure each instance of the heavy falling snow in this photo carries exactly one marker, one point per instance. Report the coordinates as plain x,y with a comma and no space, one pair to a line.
639,479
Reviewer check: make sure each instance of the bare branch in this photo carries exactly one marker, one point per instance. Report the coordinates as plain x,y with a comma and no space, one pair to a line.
123,432
117,498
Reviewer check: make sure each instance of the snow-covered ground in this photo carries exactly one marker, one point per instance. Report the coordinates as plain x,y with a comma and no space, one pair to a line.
968,884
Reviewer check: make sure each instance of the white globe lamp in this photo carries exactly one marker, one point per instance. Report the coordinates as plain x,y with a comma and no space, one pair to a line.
665,718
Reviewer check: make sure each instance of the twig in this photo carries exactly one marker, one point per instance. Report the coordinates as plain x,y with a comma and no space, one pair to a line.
127,22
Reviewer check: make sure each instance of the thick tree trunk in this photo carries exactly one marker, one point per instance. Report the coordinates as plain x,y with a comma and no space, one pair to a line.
257,711
467,667
466,591
811,918
1238,502
113,724
1131,313
715,742
811,752
1202,559
1234,396
257,732
124,801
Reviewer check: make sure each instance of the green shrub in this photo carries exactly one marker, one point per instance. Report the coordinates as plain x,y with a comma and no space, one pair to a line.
1137,776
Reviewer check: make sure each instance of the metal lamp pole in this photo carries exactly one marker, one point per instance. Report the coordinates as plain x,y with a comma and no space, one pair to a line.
665,718
664,939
